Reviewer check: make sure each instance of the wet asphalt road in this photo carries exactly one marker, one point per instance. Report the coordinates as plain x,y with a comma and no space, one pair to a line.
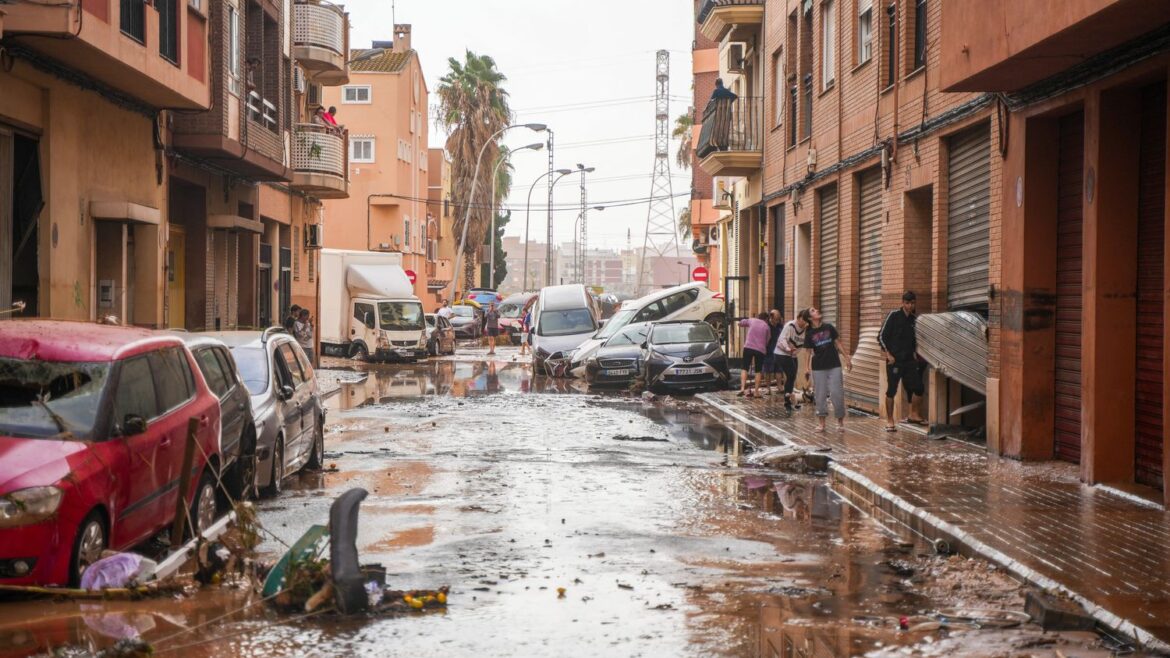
506,488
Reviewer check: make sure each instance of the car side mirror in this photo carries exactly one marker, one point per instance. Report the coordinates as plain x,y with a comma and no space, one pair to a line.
133,425
369,321
286,392
645,345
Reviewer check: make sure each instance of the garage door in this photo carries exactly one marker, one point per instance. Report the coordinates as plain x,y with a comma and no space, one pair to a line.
1069,215
861,385
968,217
827,235
1150,304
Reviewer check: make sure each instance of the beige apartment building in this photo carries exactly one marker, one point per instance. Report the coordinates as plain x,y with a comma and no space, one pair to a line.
384,109
441,241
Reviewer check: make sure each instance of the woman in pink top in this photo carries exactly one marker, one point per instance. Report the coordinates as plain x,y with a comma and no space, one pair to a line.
754,346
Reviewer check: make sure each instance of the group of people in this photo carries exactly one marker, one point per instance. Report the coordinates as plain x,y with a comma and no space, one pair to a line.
300,325
489,324
771,348
328,118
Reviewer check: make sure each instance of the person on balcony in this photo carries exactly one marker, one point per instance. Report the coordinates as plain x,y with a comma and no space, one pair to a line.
719,108
325,118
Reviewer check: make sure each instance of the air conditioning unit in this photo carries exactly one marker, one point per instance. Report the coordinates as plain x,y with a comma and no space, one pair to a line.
721,193
314,236
314,94
734,53
298,80
713,235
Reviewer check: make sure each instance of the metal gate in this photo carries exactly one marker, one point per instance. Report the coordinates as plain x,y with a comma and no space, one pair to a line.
827,265
1069,228
1151,249
968,218
861,385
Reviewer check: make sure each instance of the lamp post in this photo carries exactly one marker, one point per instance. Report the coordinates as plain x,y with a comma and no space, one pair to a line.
548,247
492,241
579,259
538,127
681,262
528,215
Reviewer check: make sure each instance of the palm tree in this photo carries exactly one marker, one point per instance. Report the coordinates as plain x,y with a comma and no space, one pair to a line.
684,223
682,132
473,106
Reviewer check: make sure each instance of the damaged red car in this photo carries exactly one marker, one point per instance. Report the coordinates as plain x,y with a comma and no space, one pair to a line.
93,424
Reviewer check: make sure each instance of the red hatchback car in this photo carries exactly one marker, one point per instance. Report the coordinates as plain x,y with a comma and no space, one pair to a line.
93,423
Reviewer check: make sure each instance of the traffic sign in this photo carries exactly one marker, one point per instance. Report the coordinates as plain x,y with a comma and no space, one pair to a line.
411,275
699,274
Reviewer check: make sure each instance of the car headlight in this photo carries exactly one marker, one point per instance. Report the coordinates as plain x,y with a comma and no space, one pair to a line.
541,353
591,361
658,356
28,506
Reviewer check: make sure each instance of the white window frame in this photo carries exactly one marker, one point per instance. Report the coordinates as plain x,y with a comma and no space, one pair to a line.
828,44
864,31
345,94
234,59
354,142
780,86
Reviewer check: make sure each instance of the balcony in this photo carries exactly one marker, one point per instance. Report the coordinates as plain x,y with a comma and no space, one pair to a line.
243,135
321,41
741,18
731,142
320,161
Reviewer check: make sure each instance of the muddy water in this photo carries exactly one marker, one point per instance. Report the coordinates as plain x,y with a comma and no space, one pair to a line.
508,488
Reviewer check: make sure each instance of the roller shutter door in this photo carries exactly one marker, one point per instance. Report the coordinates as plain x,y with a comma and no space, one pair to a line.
1150,305
1069,228
968,218
861,385
828,237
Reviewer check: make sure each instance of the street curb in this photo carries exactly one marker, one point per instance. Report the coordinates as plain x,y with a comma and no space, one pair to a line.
1106,618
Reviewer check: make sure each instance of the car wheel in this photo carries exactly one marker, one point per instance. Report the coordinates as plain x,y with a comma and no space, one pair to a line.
87,545
317,450
204,508
240,482
718,322
277,484
433,348
359,352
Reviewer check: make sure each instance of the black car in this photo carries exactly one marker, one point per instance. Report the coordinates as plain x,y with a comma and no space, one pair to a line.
683,356
619,360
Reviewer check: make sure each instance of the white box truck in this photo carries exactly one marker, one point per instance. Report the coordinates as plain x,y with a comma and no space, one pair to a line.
368,307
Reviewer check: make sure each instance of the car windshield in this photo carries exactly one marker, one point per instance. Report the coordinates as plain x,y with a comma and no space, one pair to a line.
430,320
619,320
253,364
400,316
463,311
667,334
49,399
510,310
631,336
565,323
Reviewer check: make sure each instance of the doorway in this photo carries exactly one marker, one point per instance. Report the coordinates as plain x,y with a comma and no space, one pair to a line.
21,203
778,258
176,276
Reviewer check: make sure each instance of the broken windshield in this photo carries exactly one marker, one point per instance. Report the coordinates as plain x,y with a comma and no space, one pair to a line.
400,316
47,399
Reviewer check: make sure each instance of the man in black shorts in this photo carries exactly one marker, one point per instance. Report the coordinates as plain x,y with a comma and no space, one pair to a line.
491,325
900,348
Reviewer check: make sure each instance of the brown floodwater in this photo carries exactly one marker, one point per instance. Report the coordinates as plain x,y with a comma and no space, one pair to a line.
665,539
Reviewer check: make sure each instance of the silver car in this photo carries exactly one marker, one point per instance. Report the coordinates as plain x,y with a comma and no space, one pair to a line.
286,404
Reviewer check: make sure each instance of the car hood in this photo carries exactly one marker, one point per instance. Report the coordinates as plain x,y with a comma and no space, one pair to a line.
686,349
587,349
554,344
619,352
459,321
35,462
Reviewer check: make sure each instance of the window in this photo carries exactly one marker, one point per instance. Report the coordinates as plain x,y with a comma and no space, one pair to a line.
228,366
919,34
172,378
828,44
406,234
132,19
303,359
135,395
864,31
233,50
778,85
351,94
293,366
405,150
891,44
168,29
364,313
212,371
651,312
361,149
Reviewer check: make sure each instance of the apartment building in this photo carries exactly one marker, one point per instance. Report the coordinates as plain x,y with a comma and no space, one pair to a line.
441,240
516,281
704,195
384,110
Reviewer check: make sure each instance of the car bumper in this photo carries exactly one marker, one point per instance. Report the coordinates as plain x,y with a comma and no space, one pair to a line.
400,353
42,543
686,377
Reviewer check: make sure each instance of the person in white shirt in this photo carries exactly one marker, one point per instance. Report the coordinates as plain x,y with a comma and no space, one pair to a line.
446,311
791,338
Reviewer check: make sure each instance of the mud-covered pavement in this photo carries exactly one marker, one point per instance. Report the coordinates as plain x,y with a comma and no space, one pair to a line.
574,524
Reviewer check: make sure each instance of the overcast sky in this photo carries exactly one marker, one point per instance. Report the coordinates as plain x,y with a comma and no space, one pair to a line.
584,67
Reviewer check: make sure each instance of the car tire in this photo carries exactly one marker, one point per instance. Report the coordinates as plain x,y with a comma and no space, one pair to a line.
276,485
88,545
240,480
718,322
433,348
359,352
316,459
204,505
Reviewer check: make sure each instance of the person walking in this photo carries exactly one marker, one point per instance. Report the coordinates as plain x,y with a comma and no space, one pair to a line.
775,324
791,339
445,311
303,331
290,320
491,325
754,344
525,332
825,366
899,342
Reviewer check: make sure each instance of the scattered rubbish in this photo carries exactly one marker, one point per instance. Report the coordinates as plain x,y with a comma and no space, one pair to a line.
790,459
597,554
983,617
560,592
904,623
1057,613
625,586
941,431
626,437
900,567
117,570
663,606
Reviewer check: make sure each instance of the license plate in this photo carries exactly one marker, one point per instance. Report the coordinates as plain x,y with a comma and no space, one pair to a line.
615,373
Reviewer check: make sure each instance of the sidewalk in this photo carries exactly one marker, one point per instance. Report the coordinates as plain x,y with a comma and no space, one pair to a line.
1035,519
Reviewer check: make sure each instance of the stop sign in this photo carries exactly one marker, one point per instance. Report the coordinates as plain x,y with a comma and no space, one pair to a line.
699,274
411,275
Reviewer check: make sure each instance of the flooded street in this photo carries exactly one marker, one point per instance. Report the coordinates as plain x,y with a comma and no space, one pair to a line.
567,523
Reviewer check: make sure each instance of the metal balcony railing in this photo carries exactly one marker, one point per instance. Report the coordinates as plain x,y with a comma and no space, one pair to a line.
709,5
732,125
318,149
319,24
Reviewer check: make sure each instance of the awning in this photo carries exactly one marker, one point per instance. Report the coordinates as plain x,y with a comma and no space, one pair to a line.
434,284
955,344
123,211
234,223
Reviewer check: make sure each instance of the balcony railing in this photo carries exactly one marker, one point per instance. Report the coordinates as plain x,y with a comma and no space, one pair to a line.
321,25
261,110
319,160
710,5
732,125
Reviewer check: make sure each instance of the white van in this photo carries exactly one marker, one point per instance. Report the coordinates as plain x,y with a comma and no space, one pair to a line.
563,317
690,301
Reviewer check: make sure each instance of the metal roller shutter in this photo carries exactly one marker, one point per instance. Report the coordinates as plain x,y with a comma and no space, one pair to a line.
1069,228
1150,266
827,235
861,385
968,217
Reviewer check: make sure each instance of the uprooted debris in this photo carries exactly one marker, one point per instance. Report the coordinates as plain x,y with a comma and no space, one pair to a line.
626,437
790,459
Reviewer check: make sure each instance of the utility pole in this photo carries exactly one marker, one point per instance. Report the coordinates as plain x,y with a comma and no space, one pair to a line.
582,236
661,227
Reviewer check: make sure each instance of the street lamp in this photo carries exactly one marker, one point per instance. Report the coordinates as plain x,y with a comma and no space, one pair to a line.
528,215
578,243
579,259
681,262
538,127
492,242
